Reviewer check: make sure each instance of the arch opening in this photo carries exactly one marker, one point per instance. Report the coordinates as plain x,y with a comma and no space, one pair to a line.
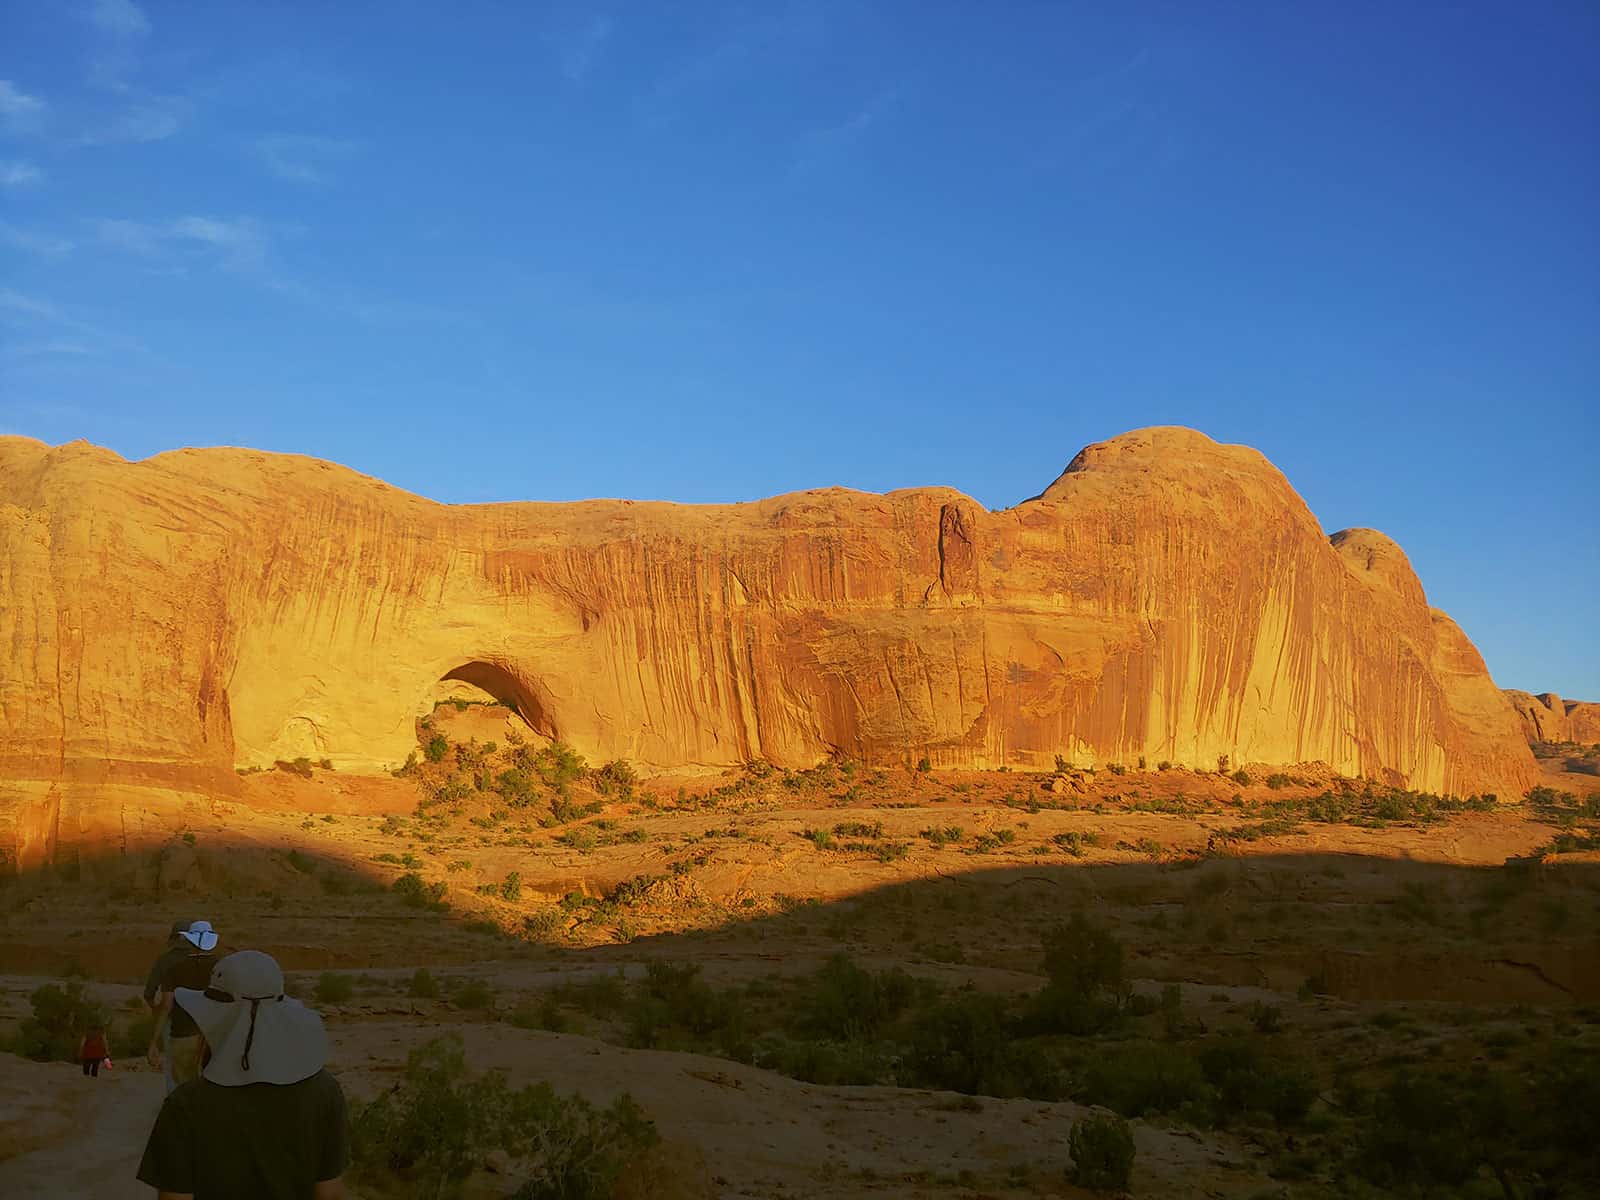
486,681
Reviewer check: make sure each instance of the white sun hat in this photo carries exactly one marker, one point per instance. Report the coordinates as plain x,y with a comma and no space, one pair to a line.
200,935
256,1034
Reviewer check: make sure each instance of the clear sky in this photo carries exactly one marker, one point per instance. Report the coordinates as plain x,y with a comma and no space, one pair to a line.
705,251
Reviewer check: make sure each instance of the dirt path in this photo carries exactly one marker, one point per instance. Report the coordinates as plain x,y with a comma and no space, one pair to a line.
92,1130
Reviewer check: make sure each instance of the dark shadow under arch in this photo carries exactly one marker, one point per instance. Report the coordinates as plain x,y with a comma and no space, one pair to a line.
508,688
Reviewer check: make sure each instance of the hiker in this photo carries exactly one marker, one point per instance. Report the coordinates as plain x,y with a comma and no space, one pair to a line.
186,962
93,1051
264,1120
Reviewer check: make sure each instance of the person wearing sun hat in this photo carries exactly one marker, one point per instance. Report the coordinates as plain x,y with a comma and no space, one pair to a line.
265,1119
186,962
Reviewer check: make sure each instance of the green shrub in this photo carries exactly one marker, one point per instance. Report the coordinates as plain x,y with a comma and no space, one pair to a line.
674,996
1102,1153
1249,1077
474,995
333,988
60,1018
437,1126
846,1002
511,889
1242,777
559,766
411,888
923,765
1143,1077
541,1013
436,748
423,985
1278,780
1086,987
616,778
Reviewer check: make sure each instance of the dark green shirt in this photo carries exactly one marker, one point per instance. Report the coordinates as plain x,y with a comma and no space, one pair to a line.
179,967
256,1142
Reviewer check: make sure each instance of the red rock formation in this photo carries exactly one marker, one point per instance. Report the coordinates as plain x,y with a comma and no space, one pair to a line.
1548,718
1167,596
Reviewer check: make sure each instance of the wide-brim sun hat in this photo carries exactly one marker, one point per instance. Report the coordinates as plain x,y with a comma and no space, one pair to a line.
256,1033
198,934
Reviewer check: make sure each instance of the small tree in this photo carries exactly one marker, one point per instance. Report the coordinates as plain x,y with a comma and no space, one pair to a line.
1102,1152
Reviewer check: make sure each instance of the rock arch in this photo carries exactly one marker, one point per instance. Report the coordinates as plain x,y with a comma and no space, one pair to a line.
517,693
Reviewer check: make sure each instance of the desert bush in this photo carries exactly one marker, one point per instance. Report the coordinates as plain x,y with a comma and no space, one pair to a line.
847,1002
1143,1077
583,839
923,765
600,995
511,888
473,995
826,1062
940,836
559,766
423,986
1102,1153
673,995
59,1018
1073,841
1086,988
545,923
542,1012
411,888
1278,780
1242,777
436,1126
1266,1018
965,1043
436,748
333,988
617,778
1248,1077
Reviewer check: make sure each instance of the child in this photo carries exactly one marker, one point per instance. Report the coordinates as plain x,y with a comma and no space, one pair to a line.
92,1050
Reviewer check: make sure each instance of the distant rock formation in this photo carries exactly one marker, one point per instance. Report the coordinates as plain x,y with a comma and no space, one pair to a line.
1548,718
1166,597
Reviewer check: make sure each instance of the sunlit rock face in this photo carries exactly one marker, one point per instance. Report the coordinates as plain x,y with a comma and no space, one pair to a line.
1548,718
1166,597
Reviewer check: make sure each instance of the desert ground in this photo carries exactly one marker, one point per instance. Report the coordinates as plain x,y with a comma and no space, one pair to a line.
834,982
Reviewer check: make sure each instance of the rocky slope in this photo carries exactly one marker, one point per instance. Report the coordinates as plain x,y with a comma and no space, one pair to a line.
1548,718
1166,597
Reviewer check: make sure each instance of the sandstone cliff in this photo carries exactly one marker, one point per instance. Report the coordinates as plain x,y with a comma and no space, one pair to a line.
1548,718
1166,597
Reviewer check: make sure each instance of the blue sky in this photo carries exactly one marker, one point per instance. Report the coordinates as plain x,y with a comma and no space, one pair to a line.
713,252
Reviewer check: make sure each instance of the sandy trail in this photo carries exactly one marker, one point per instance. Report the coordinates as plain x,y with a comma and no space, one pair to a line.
93,1130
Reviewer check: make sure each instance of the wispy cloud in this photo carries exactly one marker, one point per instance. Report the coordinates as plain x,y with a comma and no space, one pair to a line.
118,18
296,158
46,328
829,141
150,121
15,173
31,242
19,112
237,244
577,48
